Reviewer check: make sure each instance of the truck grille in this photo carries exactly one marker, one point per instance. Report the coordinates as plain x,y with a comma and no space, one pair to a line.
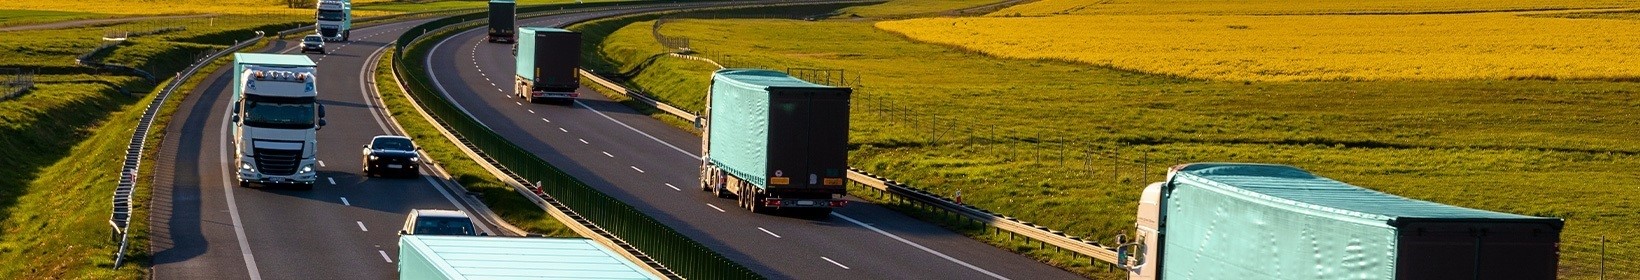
277,162
327,32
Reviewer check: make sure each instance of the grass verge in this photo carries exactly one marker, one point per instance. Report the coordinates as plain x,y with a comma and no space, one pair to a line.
1034,139
502,199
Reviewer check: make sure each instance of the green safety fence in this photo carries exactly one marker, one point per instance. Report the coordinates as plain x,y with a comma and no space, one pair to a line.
681,255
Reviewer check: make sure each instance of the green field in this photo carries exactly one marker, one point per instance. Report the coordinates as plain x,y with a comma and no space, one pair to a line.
453,5
22,17
1034,139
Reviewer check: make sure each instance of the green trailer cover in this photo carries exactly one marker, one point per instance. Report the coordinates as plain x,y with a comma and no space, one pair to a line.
240,60
740,120
1230,221
525,66
490,257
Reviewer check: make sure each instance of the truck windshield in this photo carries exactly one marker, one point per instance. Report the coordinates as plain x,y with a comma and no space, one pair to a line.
331,15
444,226
275,112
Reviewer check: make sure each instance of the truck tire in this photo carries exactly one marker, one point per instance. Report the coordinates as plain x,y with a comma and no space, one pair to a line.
346,34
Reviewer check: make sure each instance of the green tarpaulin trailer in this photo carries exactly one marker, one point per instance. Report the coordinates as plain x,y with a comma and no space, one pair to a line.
1259,221
490,257
775,140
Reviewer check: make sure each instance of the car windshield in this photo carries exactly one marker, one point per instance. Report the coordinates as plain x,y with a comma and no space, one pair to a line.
331,15
313,39
279,113
444,226
392,143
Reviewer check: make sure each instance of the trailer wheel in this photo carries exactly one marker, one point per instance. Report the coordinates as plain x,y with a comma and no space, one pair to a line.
346,34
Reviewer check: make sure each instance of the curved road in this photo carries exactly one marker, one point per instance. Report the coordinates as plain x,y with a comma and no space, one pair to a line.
652,166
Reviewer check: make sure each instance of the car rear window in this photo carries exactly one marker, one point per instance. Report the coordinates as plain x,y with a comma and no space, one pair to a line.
444,226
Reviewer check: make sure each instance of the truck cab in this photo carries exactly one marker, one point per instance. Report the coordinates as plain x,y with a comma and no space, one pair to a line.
275,117
334,20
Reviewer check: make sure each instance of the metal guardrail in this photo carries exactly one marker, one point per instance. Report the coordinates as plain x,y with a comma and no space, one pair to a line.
120,219
619,221
1029,230
19,81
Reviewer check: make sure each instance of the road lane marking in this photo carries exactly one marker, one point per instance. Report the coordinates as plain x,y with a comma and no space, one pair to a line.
498,90
233,207
634,167
344,201
715,207
331,179
675,188
384,256
531,111
545,119
760,228
583,141
361,226
321,163
651,137
564,130
834,262
919,246
519,103
607,154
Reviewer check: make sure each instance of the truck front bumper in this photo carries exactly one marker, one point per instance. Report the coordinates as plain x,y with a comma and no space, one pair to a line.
259,178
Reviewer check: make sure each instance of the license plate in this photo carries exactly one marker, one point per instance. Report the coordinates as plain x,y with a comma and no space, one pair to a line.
805,203
395,166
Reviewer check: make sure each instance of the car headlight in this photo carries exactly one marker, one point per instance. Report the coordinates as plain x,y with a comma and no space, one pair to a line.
372,157
415,159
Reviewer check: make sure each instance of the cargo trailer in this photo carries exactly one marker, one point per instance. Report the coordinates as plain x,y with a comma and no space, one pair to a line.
547,62
775,142
1260,221
489,257
502,21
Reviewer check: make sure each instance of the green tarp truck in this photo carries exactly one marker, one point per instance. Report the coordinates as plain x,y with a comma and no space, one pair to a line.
1231,221
490,257
547,59
775,142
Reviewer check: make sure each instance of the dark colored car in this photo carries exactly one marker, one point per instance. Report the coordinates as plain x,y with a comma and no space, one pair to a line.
387,154
313,43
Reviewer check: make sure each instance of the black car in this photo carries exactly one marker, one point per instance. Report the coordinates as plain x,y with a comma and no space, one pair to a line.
313,43
391,154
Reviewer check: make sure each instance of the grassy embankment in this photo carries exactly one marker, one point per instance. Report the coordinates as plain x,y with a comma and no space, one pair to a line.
1532,147
511,206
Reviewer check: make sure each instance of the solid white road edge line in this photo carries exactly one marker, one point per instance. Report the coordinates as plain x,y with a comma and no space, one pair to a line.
233,208
925,249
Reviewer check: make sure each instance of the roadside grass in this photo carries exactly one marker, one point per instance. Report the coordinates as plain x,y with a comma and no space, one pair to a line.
502,199
1280,7
1032,138
22,17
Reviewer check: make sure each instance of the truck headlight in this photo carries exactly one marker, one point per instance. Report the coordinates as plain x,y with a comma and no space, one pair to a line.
307,169
246,166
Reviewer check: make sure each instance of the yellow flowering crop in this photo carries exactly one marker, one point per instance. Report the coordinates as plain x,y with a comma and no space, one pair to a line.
1286,7
1301,48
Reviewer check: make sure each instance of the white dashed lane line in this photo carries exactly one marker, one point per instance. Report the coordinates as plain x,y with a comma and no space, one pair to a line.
564,130
332,180
715,207
765,230
639,170
609,155
583,141
834,262
547,120
384,256
675,188
321,163
519,103
361,226
344,202
531,111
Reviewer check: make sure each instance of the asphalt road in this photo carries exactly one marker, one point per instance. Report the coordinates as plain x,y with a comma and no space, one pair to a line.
653,166
206,227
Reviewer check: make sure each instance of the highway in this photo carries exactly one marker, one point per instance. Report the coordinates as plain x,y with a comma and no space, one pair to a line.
653,166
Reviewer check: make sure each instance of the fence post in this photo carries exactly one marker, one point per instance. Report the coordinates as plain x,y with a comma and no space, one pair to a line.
1602,257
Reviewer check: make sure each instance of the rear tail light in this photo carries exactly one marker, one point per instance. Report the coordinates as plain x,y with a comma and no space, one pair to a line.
838,203
771,202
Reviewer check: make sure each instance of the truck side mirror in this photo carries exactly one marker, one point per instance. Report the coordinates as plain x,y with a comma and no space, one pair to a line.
234,118
321,124
321,111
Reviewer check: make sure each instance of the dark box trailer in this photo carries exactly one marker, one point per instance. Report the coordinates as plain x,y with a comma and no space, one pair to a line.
783,140
547,61
1259,221
503,16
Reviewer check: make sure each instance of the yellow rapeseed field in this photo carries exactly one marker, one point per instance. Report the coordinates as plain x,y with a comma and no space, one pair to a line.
169,7
1303,48
1269,7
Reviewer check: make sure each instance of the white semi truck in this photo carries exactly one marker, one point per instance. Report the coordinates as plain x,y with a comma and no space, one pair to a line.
335,20
276,117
